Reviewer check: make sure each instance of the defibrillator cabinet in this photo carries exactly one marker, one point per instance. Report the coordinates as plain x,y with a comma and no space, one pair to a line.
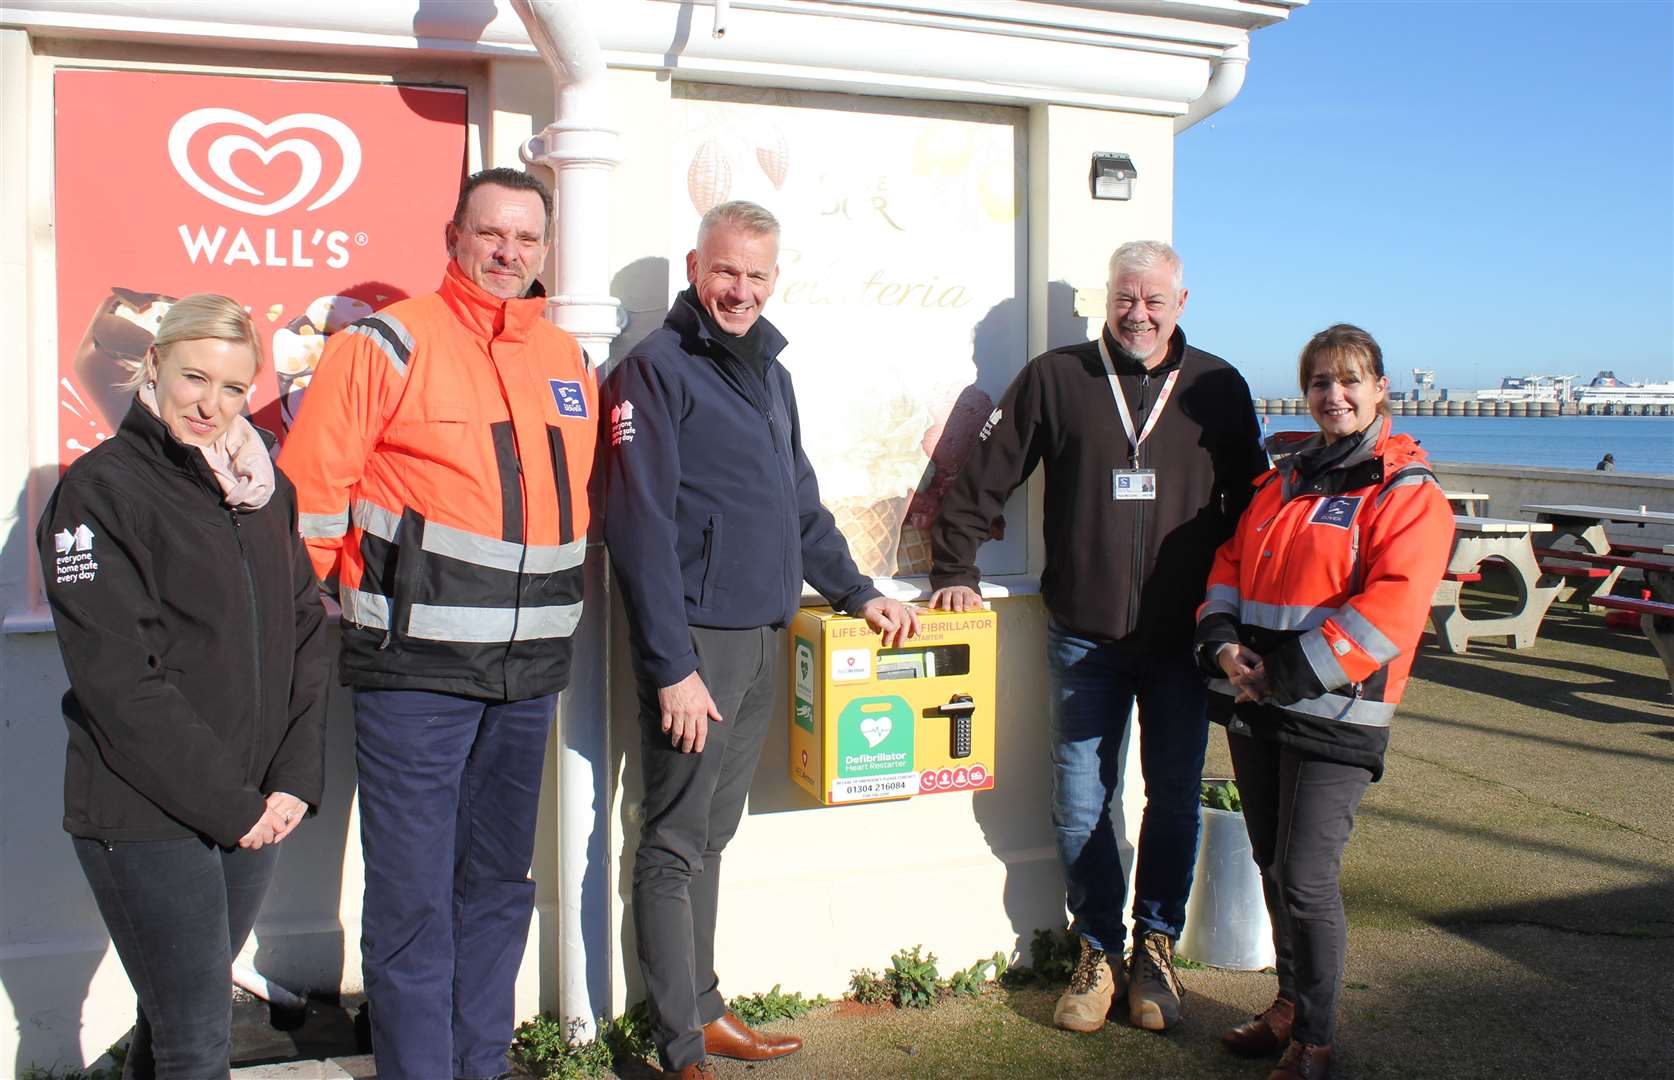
870,723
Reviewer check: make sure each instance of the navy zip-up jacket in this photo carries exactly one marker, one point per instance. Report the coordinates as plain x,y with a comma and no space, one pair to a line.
712,511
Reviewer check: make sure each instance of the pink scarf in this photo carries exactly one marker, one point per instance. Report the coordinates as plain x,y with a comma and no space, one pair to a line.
238,459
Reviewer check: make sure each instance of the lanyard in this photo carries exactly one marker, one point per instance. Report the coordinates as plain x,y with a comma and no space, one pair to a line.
1122,401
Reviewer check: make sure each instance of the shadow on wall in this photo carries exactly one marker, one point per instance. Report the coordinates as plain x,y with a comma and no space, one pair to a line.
642,287
42,891
957,423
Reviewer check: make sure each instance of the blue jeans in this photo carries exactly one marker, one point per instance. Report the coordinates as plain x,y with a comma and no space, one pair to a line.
448,791
178,911
1094,685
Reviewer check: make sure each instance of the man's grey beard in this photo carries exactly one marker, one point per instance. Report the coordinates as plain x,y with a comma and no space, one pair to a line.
1121,350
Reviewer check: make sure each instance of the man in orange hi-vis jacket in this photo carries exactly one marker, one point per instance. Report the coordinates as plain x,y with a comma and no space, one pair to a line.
441,463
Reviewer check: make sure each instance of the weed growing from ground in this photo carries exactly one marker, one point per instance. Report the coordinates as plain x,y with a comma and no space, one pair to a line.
548,1048
756,1009
118,1054
913,979
1054,954
912,982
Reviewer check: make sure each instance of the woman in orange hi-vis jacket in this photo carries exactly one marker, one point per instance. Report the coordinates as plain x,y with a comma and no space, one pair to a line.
1314,609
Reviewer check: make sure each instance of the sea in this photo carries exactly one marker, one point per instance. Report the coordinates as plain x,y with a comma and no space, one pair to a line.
1641,444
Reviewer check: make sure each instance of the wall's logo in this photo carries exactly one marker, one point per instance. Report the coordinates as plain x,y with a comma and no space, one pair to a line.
303,133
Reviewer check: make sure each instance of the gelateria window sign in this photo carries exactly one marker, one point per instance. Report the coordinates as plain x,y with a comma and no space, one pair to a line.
900,287
311,203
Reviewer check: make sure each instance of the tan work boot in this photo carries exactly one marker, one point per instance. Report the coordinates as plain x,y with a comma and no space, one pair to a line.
1084,1006
1154,991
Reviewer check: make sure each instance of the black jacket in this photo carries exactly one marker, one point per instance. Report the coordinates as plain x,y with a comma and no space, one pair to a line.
194,641
712,512
1131,572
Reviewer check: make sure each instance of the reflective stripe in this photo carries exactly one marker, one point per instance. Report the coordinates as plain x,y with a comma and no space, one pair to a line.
1327,668
388,335
364,608
488,625
501,554
372,518
1412,474
1220,599
1367,636
474,548
323,526
1348,710
1283,616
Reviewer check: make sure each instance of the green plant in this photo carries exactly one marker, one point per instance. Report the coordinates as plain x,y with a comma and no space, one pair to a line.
756,1009
629,1035
1053,955
868,988
118,1054
1222,795
548,1048
912,978
971,981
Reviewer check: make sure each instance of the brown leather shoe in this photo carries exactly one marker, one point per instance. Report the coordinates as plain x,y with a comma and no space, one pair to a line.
1264,1034
701,1071
1303,1061
729,1037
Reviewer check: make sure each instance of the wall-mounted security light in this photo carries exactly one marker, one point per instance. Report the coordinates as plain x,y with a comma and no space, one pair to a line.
1112,176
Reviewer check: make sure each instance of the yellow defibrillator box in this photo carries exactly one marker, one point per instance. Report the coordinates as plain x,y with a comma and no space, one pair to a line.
870,723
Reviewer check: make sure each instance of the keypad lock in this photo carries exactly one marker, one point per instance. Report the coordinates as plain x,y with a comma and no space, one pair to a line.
959,709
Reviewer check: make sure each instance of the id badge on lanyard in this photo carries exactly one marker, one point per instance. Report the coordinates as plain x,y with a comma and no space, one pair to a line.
1129,484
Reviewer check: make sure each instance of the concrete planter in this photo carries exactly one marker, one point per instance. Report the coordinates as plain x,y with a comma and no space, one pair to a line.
1226,919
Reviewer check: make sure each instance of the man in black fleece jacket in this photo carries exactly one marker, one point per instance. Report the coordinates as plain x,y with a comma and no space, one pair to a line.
1150,446
713,519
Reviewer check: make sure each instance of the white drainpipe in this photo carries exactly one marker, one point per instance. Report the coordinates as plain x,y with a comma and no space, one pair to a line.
1226,78
581,149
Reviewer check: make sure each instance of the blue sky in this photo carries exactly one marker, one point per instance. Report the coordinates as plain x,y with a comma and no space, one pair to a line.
1486,187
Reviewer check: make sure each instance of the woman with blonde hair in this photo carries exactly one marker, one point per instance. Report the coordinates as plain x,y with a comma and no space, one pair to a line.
189,621
1313,613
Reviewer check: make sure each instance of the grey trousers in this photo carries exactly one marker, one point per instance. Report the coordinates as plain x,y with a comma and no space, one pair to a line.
692,806
1299,811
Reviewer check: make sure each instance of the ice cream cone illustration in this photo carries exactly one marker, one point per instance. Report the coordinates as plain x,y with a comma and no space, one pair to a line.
872,528
912,556
773,155
709,178
122,328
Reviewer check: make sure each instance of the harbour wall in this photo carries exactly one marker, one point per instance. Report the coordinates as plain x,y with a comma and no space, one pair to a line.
1299,407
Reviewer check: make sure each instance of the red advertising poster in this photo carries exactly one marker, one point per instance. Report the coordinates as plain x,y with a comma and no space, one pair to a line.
311,203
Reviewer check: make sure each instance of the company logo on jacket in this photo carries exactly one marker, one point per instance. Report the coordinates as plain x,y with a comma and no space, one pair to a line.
75,555
569,398
622,423
1337,510
988,428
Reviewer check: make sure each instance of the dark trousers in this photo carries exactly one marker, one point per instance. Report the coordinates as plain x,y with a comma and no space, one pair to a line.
178,911
1299,811
693,803
1094,687
448,791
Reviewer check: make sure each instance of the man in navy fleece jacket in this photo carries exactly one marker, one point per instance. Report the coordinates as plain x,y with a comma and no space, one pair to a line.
713,520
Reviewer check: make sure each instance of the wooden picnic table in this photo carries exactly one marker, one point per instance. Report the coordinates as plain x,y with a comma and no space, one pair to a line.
1467,500
1476,539
1583,529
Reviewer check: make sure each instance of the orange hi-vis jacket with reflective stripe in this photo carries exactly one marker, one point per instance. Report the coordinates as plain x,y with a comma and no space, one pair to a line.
441,460
1329,578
